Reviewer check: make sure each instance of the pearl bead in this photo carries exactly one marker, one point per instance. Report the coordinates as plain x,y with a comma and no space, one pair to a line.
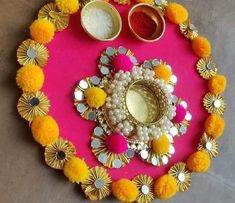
108,105
141,139
117,75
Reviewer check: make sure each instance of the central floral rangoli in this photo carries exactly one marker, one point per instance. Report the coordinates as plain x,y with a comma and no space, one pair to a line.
135,108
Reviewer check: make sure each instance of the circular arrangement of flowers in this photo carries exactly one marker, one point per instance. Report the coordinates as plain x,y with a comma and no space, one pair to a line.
133,104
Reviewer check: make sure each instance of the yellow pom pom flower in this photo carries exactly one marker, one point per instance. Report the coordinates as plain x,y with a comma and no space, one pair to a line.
217,84
161,145
201,47
30,78
199,162
42,31
76,170
165,187
67,6
176,13
214,125
162,72
45,130
95,97
125,190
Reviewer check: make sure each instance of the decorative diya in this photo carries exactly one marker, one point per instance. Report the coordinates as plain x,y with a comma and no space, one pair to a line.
132,101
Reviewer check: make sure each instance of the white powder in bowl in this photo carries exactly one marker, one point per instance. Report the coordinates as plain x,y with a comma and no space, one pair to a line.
98,22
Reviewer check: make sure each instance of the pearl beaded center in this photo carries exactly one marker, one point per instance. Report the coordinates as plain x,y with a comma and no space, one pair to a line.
138,105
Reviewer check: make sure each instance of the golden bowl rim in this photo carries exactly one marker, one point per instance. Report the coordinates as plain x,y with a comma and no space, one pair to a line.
113,9
131,117
161,17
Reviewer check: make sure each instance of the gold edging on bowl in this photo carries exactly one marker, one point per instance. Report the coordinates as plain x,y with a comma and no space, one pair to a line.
112,11
158,19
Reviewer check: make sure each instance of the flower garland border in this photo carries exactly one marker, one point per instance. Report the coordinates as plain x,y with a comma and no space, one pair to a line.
60,154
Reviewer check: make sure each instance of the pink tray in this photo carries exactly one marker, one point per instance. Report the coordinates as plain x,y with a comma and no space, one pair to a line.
74,55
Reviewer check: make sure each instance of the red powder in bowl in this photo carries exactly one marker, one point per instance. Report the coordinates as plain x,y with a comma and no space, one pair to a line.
143,25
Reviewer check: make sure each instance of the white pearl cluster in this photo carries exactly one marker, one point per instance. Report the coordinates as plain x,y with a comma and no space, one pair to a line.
171,112
125,127
142,73
117,115
115,103
154,131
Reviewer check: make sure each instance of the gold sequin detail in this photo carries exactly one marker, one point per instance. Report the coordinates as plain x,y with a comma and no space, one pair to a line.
182,176
209,145
144,184
206,68
188,29
31,52
58,153
51,13
161,5
97,185
214,103
31,105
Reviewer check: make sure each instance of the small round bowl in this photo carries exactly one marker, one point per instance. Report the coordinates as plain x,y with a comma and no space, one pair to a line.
105,6
153,13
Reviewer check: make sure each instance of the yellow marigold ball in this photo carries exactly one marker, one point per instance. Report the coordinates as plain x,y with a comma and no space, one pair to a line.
67,6
125,190
199,162
161,145
76,170
165,187
162,72
30,78
217,84
214,125
176,13
201,47
144,1
42,31
95,97
45,130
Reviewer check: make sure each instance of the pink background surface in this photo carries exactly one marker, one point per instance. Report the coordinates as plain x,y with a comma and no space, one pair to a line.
74,55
